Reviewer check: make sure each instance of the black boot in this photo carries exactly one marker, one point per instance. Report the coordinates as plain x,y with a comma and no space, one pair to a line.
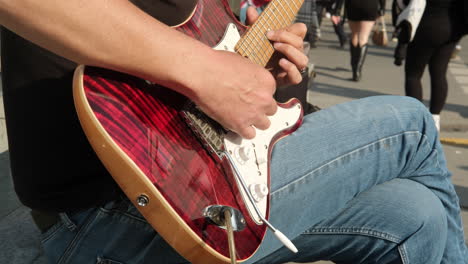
362,57
358,56
339,31
355,53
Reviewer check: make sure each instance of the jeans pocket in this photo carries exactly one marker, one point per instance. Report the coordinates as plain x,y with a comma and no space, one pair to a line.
64,222
103,260
62,239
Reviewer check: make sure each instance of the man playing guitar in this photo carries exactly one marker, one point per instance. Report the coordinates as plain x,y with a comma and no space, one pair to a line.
361,182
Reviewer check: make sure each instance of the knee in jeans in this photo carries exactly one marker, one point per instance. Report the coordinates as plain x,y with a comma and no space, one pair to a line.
407,102
410,108
428,221
433,215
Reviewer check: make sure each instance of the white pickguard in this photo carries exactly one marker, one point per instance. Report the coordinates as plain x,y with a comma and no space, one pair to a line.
230,39
251,156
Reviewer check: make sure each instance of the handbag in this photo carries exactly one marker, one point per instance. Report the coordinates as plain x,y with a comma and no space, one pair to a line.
379,35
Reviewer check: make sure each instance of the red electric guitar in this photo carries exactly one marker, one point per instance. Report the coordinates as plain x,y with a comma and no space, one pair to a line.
204,190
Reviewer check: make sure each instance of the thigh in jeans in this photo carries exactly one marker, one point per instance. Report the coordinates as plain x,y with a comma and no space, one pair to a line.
114,233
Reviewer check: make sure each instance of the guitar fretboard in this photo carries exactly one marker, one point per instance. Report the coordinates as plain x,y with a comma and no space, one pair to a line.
254,44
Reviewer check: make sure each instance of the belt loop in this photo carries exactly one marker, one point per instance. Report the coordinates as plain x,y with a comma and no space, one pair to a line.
67,221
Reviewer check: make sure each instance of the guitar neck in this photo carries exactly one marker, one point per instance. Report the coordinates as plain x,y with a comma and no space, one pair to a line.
254,45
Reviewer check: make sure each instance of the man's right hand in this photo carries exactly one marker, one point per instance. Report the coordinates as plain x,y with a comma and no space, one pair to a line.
234,91
237,93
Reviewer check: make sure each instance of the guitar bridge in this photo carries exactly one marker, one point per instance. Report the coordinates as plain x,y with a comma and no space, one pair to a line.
208,131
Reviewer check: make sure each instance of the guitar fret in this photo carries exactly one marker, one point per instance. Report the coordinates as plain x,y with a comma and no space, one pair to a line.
295,5
265,42
249,50
290,9
282,16
265,46
252,47
258,47
254,51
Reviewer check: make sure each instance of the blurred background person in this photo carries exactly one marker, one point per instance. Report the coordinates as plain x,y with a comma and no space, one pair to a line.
333,9
406,15
441,27
309,16
361,15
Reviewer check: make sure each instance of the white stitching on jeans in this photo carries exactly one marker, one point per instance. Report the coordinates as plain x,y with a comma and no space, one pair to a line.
403,254
354,230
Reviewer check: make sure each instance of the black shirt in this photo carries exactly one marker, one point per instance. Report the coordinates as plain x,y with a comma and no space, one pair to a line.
53,166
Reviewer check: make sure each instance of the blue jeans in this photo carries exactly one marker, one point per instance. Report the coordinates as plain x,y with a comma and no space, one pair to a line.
361,182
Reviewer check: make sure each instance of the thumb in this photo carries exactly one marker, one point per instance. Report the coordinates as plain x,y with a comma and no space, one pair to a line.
252,15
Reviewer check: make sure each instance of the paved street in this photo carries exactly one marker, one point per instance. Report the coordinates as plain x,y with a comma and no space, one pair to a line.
19,239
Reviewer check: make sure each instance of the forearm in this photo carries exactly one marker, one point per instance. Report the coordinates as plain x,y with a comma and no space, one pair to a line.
108,33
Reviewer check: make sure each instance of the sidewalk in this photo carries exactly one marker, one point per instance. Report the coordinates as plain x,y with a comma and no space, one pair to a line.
19,238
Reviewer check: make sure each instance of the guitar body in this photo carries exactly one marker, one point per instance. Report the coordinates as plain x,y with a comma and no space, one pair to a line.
139,132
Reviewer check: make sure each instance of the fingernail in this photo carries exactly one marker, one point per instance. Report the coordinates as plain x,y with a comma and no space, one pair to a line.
277,45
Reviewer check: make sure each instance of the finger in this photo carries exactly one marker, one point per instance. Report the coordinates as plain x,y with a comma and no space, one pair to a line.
293,35
282,78
271,109
262,123
247,132
294,55
252,15
293,74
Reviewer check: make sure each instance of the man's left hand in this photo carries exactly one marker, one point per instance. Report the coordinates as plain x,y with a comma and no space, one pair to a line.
289,42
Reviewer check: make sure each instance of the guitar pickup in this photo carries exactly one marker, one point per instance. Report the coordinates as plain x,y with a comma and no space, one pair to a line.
208,131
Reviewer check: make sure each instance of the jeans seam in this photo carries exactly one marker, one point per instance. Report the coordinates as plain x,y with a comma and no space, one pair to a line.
67,222
341,157
403,254
107,211
80,233
426,143
354,230
51,232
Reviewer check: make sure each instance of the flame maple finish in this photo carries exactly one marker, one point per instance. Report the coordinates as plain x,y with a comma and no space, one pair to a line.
139,134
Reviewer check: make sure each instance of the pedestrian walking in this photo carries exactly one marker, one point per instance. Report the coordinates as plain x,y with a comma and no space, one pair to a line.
334,8
361,15
311,15
406,15
441,27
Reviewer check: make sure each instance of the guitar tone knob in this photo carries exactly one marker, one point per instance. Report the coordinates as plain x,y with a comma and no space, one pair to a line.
258,191
243,154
